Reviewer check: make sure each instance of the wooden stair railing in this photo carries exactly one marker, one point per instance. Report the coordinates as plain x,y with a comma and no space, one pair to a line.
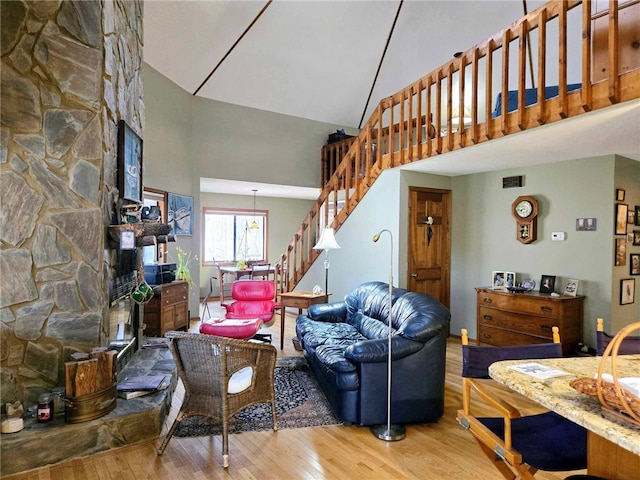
398,133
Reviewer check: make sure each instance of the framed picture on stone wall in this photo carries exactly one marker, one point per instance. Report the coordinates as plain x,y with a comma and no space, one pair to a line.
129,163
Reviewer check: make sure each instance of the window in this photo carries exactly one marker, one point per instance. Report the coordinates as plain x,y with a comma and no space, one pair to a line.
229,235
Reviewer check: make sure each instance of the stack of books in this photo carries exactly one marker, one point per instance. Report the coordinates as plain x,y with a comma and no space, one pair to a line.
138,386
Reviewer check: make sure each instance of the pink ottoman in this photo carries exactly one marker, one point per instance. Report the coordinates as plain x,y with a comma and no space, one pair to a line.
239,329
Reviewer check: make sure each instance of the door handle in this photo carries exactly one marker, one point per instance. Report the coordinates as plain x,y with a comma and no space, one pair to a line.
414,275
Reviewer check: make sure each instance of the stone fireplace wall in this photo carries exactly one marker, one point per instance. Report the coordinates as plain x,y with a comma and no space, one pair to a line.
70,70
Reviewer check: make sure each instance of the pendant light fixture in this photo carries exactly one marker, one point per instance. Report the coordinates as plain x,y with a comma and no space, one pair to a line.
254,225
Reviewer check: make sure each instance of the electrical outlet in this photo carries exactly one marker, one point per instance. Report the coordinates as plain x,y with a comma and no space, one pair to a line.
557,236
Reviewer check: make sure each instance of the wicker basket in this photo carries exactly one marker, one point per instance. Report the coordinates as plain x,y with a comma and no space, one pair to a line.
613,397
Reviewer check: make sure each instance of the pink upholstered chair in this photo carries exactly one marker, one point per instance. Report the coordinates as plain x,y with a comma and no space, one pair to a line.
254,307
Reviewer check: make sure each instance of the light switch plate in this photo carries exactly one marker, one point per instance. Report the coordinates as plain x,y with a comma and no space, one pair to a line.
557,236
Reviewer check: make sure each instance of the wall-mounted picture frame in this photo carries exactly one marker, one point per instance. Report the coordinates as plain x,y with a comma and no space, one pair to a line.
571,287
631,217
621,218
180,214
586,224
634,262
636,237
129,163
627,291
498,279
127,240
637,209
547,283
621,252
619,195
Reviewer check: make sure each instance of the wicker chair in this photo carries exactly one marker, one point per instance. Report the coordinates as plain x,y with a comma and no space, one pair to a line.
221,376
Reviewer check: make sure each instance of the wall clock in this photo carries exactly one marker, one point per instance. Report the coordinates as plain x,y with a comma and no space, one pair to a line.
525,211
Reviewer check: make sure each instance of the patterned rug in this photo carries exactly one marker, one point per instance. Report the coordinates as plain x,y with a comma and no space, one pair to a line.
299,403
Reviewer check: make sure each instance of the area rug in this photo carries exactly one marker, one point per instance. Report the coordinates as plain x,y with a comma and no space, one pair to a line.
299,403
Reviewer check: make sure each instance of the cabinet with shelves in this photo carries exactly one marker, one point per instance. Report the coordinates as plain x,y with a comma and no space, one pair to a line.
505,318
168,309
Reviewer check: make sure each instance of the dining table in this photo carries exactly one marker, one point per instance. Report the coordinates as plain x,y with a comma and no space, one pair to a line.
613,442
237,273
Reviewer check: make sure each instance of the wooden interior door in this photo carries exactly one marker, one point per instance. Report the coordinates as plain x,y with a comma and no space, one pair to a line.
429,259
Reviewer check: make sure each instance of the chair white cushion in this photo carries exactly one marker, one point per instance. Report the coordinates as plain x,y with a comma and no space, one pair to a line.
241,380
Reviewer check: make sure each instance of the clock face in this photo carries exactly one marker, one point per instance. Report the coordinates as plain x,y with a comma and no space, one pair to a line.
524,208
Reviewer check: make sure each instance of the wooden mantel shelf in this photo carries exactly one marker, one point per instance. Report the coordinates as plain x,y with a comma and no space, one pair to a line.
146,233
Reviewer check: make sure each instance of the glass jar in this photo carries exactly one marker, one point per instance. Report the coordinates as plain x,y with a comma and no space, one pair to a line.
58,400
45,408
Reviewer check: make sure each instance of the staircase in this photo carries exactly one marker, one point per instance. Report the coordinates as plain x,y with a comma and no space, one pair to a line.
422,120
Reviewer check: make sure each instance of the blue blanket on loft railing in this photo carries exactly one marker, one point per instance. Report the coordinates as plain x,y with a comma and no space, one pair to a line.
530,97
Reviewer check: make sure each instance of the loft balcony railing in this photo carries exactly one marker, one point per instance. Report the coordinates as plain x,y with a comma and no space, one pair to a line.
557,62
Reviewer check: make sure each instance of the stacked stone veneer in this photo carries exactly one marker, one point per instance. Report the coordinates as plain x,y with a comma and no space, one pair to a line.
70,71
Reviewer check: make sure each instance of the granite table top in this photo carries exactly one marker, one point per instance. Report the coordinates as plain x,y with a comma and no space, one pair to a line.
557,395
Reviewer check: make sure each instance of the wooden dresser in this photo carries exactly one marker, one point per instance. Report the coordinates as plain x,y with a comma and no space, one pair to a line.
168,309
506,318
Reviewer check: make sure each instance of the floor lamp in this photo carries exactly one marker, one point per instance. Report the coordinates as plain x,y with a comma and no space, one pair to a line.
327,242
389,432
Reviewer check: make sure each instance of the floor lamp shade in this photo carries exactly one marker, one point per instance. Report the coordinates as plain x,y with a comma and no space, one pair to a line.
327,242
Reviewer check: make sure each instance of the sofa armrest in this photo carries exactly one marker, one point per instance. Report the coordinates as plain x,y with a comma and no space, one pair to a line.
375,350
328,312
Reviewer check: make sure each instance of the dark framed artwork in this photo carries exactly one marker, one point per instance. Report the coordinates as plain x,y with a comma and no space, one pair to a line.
621,218
621,252
180,214
129,163
547,283
619,194
627,291
637,209
634,262
636,237
586,224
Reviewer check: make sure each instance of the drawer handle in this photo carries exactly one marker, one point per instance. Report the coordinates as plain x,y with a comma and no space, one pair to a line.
486,335
546,327
487,300
546,308
487,317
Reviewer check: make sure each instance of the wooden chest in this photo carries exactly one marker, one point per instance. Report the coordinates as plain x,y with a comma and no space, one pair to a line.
505,318
168,309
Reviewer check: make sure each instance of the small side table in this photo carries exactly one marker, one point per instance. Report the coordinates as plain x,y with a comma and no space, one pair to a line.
297,300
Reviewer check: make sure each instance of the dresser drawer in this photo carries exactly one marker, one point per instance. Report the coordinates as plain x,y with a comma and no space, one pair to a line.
505,318
175,293
500,337
528,324
520,303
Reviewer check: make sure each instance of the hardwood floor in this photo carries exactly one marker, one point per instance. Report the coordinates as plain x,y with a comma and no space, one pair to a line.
431,451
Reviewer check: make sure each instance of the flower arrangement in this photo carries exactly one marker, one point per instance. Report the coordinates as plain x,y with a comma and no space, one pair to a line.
182,265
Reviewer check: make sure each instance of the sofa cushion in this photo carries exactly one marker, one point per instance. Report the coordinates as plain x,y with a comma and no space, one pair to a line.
332,334
369,327
333,357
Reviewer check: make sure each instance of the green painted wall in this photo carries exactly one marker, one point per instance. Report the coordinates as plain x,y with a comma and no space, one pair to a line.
186,138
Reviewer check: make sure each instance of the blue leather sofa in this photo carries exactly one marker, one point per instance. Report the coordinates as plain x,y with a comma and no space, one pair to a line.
346,344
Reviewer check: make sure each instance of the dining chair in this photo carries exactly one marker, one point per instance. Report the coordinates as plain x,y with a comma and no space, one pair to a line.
221,376
517,445
261,271
629,345
226,283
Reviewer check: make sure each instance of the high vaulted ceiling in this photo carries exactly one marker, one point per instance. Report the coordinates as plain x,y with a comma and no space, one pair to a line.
318,60
313,59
